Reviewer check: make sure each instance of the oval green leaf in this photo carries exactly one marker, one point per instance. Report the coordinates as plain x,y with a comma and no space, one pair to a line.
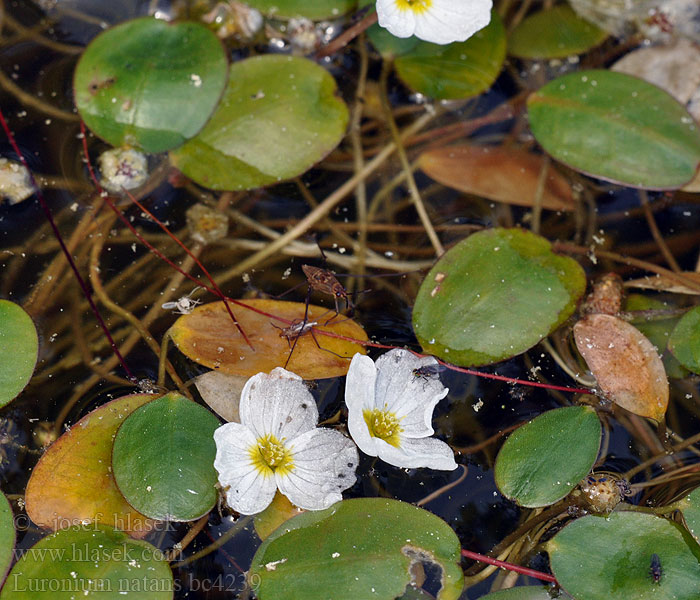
163,459
278,117
316,10
684,342
150,84
535,467
73,482
358,548
458,70
19,348
599,558
554,33
494,295
616,127
91,561
690,508
7,536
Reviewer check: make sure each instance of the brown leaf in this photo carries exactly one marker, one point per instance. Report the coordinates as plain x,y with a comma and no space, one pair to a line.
222,393
503,174
625,364
674,67
209,337
660,283
692,187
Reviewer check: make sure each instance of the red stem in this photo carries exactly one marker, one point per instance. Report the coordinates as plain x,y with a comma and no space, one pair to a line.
509,566
217,290
64,249
452,367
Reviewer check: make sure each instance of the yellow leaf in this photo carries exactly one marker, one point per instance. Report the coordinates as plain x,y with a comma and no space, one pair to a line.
208,336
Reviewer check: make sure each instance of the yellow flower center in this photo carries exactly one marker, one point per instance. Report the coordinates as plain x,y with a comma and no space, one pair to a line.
270,456
383,425
417,6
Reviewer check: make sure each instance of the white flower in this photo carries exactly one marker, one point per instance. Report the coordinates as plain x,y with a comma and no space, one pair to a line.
437,21
277,446
391,409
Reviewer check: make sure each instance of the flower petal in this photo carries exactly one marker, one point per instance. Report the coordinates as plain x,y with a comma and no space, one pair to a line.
412,454
448,21
324,466
400,22
359,395
249,489
278,404
411,398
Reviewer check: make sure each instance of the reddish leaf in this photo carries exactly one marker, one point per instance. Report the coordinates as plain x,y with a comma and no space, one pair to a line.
625,364
503,174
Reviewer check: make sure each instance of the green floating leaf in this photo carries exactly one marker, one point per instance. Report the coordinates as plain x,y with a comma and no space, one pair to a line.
685,340
691,513
616,127
532,592
458,70
316,10
535,467
657,330
554,33
92,561
388,45
163,459
494,295
278,117
19,348
150,84
7,536
599,558
358,548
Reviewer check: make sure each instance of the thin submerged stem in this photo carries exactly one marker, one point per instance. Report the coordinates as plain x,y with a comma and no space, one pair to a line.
327,205
656,234
64,249
150,215
407,169
348,35
358,158
27,99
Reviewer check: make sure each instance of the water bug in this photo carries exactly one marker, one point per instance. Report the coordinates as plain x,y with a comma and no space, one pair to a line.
655,570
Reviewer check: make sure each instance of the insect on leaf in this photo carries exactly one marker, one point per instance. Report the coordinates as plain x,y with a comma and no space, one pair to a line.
208,337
